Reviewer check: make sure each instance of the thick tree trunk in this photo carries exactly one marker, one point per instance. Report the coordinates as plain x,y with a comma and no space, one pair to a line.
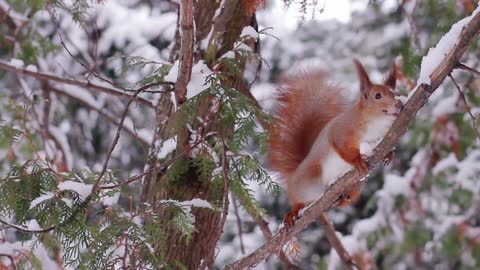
199,251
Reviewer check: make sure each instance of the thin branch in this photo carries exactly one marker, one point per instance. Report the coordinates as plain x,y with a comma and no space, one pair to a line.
399,127
117,137
469,109
239,224
25,230
409,13
467,68
331,234
85,84
186,49
101,112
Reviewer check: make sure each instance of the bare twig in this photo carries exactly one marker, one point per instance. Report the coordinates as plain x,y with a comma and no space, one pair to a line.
101,112
409,12
239,224
335,242
467,68
467,107
25,230
186,49
85,84
399,127
117,137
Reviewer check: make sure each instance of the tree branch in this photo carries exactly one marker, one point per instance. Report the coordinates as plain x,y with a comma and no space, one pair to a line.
331,234
186,49
85,84
100,111
399,127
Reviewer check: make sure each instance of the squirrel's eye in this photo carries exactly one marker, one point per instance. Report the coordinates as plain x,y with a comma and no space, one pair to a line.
378,96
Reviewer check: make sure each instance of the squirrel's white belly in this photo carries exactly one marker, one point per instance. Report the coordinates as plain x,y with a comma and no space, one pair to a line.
310,191
333,167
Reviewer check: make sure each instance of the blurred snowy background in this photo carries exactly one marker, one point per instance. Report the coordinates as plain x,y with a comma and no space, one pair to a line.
421,212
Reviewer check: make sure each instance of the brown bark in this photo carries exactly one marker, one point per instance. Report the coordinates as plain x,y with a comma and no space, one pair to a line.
175,249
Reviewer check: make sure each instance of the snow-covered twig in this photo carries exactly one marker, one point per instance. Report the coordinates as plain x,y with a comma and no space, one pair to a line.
439,72
25,230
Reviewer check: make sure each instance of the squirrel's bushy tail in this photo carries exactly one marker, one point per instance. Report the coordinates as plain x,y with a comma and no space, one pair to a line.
307,103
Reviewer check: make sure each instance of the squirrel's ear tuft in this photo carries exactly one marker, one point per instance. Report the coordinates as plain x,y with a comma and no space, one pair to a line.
392,77
365,83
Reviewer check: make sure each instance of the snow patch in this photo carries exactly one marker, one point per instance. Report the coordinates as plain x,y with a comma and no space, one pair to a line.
18,63
172,73
436,54
196,202
448,162
229,55
32,68
83,190
41,199
32,225
110,200
167,147
11,249
249,31
198,83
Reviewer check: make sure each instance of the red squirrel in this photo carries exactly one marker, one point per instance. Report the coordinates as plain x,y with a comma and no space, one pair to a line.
316,133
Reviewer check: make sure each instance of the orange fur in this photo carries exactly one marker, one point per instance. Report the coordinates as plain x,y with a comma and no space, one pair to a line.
299,119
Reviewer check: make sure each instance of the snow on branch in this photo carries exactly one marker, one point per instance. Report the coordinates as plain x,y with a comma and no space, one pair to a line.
457,45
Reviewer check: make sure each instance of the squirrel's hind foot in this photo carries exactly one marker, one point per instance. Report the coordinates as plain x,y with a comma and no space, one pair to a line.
292,216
